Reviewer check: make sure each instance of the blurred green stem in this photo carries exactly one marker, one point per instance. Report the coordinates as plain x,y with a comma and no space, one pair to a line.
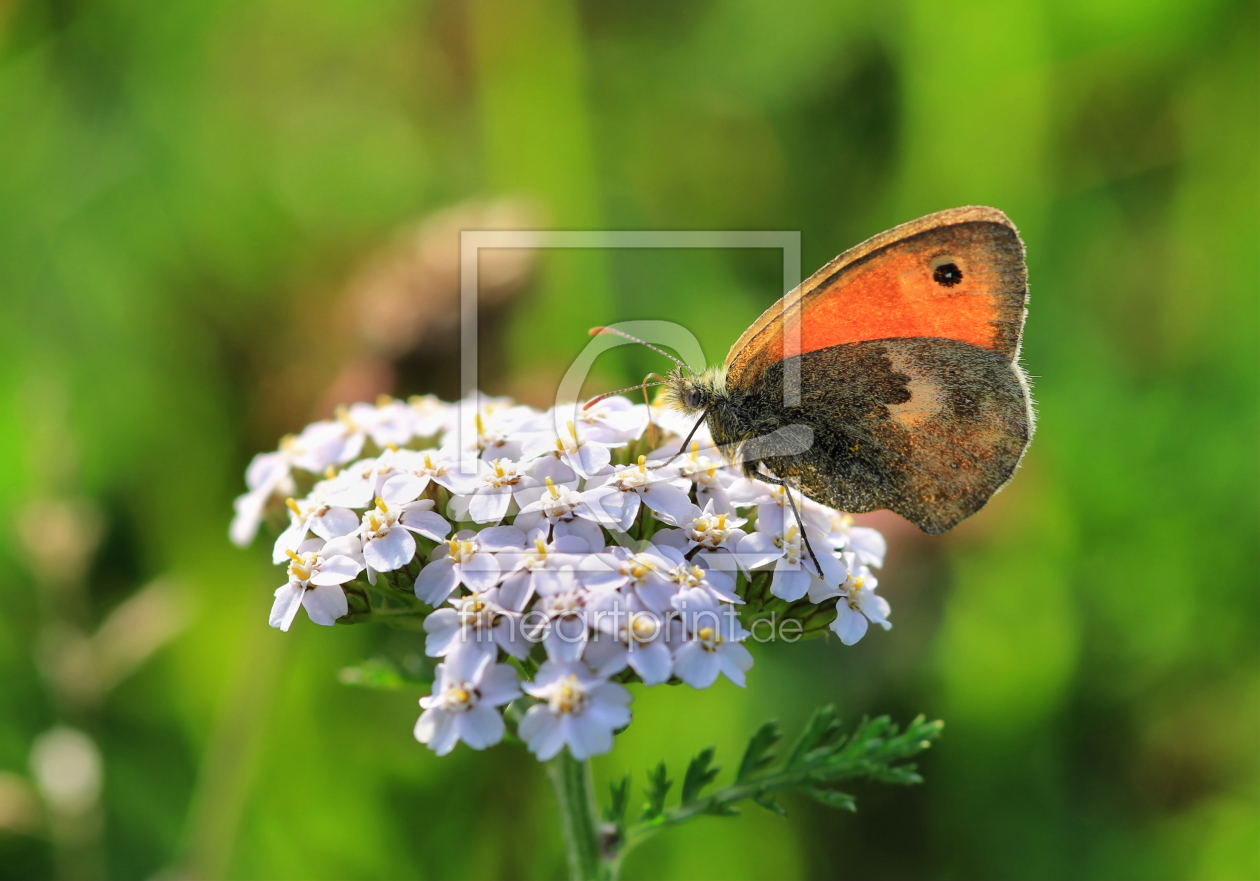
572,781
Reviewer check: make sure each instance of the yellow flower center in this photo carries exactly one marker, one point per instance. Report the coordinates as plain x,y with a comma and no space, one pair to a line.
709,638
642,627
568,697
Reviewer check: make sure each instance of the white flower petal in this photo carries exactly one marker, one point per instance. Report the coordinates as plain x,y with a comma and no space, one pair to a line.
337,570
391,551
669,503
437,730
288,540
652,661
489,505
249,516
849,625
334,523
325,604
695,666
541,732
585,531
606,655
466,662
735,661
403,488
480,727
869,545
436,581
288,601
516,591
589,736
758,549
481,572
791,581
441,627
499,685
427,523
499,538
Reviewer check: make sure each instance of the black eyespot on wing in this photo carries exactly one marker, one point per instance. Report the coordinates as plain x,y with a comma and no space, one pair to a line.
947,274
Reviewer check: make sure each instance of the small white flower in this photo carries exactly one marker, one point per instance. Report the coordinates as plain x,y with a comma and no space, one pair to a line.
468,559
466,691
858,605
580,710
710,476
322,444
316,571
613,420
418,469
387,423
495,428
501,481
583,456
479,620
866,544
521,567
686,574
387,543
629,634
558,617
645,575
564,510
267,474
361,482
312,514
710,643
711,529
778,540
617,502
430,416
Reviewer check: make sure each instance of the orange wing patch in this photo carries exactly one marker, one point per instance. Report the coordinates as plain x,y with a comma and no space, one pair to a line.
955,275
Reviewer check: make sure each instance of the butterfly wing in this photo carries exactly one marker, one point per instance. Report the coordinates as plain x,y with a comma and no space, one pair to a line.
909,382
956,274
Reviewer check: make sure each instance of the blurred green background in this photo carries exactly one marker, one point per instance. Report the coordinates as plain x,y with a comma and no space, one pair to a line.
209,212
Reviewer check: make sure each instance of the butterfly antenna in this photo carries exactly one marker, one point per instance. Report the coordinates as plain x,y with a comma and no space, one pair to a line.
596,331
643,385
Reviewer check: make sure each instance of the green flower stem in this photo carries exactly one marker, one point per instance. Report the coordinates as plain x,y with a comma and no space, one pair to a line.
571,780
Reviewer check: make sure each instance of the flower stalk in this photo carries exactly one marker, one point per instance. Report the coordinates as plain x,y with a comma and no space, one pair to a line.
571,780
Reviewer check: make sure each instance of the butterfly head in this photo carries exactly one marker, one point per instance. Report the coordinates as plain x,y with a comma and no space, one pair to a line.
695,393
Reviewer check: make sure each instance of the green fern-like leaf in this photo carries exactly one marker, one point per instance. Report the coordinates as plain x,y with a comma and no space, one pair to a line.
658,788
758,754
820,758
700,773
619,792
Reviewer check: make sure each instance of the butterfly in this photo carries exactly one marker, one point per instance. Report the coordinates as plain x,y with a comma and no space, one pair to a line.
889,379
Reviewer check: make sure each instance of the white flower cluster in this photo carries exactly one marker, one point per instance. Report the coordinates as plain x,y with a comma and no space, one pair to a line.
551,566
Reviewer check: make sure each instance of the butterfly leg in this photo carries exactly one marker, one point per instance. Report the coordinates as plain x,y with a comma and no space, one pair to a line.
800,524
685,442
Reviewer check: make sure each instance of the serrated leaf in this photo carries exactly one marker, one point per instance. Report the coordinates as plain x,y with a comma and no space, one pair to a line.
770,804
832,798
902,775
620,796
758,754
699,775
820,733
658,788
